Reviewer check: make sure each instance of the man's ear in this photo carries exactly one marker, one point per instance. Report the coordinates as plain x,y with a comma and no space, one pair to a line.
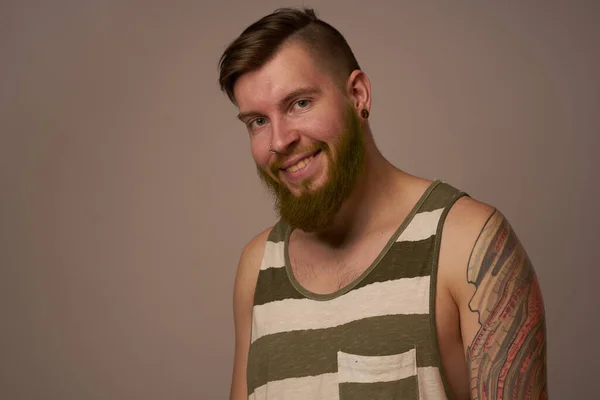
358,90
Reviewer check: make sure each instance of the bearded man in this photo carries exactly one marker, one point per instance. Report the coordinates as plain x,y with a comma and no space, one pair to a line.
374,283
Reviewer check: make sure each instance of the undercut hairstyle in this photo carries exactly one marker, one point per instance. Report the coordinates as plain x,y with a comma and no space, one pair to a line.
260,42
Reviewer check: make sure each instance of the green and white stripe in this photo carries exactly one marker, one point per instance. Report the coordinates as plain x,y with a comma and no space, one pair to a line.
373,339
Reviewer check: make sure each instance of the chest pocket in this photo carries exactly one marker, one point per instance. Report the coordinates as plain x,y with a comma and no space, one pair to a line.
378,377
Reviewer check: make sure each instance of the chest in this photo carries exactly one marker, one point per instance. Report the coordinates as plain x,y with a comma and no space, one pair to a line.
380,326
325,270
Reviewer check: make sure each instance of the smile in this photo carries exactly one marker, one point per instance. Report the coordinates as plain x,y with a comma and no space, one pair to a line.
302,168
300,164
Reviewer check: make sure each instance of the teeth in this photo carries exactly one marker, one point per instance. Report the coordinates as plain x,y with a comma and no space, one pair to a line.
300,164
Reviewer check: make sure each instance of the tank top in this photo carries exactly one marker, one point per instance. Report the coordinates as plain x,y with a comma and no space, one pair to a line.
373,339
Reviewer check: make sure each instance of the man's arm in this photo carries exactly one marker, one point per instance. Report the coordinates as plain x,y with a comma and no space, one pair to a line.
506,357
500,305
243,296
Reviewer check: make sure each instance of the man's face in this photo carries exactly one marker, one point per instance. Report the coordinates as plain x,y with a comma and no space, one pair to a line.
293,105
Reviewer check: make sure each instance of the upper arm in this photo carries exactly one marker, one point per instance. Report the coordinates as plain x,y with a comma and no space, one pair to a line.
500,306
243,296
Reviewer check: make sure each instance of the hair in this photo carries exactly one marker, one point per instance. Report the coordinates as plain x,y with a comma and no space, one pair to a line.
260,42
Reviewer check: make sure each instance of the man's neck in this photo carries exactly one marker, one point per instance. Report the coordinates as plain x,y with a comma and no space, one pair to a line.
368,208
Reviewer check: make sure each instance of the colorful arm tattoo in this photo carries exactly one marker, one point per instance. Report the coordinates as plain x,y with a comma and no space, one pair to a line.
507,358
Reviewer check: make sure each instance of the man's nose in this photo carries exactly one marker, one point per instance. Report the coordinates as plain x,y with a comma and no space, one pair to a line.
283,137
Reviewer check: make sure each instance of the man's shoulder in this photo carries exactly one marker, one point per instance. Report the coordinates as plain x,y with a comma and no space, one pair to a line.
254,249
462,228
248,269
468,216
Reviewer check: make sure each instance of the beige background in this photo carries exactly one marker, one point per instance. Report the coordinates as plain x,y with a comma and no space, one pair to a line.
127,189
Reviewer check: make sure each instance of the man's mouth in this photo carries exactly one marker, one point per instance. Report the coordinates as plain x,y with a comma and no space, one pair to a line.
301,164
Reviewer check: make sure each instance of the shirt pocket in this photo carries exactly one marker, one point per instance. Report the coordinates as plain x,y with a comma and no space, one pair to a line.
378,377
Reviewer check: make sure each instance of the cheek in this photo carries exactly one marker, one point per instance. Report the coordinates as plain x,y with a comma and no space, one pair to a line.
260,151
331,131
325,127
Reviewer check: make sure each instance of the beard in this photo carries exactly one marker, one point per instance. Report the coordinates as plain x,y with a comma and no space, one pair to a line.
314,211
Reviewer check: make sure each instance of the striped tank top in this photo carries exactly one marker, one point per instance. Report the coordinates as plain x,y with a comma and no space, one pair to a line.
373,339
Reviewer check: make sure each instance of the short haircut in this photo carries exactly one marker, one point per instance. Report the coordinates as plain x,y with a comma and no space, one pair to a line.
260,42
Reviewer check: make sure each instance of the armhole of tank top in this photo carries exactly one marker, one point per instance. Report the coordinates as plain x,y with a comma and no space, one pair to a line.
433,288
275,230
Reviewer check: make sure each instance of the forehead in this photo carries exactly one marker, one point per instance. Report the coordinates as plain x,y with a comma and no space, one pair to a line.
291,68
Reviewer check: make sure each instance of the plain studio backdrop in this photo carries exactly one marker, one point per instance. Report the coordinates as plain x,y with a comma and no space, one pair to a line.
127,189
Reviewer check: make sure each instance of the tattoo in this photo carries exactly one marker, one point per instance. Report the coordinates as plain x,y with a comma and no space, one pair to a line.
507,358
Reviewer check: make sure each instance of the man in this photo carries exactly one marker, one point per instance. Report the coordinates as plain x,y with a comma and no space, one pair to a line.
374,284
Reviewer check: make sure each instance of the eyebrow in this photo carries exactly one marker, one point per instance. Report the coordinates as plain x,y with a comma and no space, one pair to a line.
303,91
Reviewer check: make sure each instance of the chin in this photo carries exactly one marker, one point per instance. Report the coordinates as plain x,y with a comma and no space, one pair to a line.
312,187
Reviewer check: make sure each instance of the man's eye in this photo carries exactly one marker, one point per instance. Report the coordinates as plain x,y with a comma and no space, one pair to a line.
302,103
258,122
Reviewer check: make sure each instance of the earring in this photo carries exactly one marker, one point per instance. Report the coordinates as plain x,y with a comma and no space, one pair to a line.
364,113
